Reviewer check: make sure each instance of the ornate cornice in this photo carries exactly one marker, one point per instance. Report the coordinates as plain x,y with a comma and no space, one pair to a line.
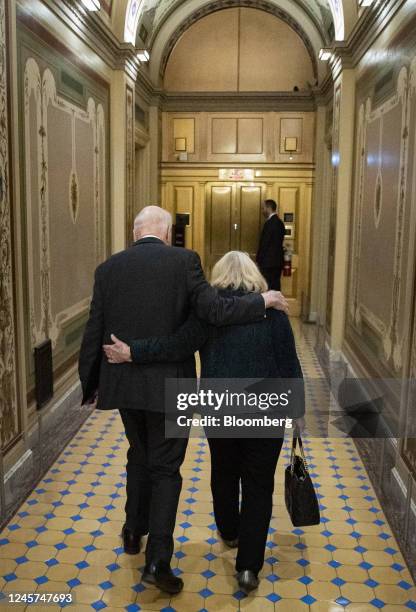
369,26
238,102
92,30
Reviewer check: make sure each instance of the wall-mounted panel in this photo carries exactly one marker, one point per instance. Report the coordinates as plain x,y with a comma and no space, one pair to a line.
250,135
381,239
10,423
184,128
294,137
224,135
238,137
291,128
65,174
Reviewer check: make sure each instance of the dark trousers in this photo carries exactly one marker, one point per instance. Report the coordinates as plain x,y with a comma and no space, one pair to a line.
272,276
154,481
253,463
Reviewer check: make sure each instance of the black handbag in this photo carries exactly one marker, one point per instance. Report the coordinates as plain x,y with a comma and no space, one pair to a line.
300,497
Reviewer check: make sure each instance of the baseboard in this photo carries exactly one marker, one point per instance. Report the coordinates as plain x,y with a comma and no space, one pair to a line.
388,477
45,440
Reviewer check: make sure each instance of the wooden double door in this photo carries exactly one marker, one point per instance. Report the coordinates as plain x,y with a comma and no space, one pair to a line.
233,219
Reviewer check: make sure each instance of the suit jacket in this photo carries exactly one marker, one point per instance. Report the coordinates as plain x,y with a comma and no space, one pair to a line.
270,251
262,349
149,290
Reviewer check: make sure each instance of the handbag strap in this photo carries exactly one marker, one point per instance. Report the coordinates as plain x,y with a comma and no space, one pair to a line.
297,440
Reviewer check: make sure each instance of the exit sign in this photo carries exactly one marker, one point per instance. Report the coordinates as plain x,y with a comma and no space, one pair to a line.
236,174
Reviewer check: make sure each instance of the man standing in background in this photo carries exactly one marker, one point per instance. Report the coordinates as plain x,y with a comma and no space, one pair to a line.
270,252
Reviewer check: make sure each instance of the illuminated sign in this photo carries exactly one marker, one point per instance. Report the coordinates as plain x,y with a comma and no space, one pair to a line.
236,174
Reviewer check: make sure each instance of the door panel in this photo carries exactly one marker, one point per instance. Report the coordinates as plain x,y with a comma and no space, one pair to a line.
219,222
249,212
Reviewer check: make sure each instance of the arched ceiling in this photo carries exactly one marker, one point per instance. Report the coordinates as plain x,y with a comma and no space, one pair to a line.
155,12
157,24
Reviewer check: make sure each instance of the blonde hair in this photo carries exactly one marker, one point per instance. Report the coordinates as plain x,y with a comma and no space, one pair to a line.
237,271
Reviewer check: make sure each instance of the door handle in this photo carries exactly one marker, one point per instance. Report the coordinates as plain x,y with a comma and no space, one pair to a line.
235,227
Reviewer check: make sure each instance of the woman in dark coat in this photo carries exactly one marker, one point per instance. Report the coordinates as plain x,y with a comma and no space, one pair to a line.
261,350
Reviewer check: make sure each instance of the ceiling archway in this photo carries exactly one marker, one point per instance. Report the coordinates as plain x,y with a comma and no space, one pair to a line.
342,13
176,17
320,21
239,49
219,5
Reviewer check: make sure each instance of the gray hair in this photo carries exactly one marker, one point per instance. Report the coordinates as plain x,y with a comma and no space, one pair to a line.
238,271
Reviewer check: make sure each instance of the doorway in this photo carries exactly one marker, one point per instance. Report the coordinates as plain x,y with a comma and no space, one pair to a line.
233,219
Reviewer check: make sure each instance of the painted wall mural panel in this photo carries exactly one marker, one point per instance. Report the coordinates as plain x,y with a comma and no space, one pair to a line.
380,238
65,196
9,418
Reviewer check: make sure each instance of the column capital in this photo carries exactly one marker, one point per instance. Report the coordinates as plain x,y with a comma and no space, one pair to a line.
341,60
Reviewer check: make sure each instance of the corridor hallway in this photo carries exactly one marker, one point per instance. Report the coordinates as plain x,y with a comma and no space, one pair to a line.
65,537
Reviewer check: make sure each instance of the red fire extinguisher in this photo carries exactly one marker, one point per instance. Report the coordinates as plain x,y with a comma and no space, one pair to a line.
287,262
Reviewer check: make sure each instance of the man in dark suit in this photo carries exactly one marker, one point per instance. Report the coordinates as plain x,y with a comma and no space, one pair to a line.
270,252
149,290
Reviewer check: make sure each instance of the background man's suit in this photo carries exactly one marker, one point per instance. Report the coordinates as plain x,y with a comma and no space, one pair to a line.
149,290
270,252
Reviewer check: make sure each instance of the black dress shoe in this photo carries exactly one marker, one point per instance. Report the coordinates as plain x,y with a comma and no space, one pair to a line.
247,580
132,542
161,575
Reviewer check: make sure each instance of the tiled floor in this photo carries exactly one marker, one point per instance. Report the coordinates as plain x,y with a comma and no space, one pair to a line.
66,536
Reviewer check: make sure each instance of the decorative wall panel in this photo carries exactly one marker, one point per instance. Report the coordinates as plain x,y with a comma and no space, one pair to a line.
224,136
184,128
64,195
9,418
291,127
381,236
243,137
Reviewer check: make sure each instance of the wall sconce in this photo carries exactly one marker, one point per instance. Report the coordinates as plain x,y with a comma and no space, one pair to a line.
180,144
291,144
143,55
92,5
365,3
325,54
